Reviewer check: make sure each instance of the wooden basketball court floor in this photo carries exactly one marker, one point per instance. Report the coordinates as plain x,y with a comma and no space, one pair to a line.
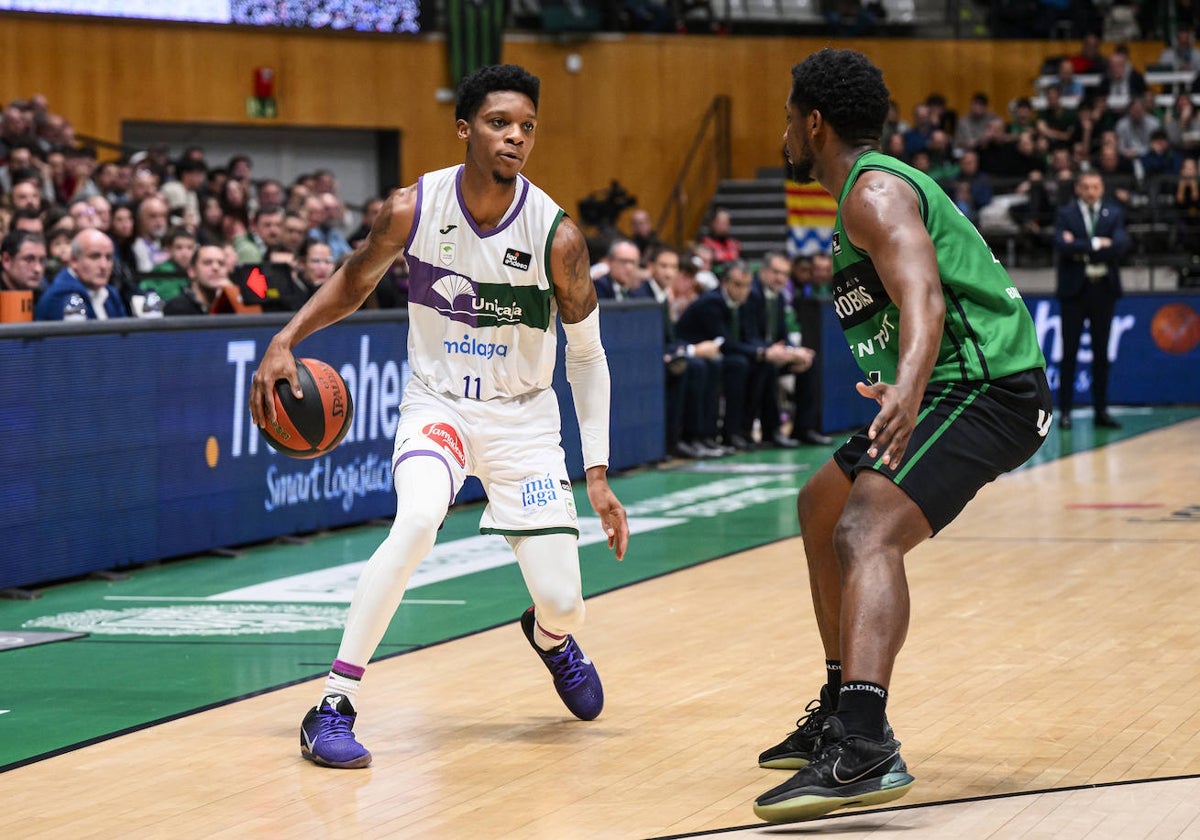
1049,688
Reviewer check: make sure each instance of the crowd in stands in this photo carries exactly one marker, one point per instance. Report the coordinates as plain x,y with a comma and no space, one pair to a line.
737,375
1009,167
145,235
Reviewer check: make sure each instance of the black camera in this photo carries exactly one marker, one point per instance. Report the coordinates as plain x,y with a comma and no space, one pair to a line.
602,208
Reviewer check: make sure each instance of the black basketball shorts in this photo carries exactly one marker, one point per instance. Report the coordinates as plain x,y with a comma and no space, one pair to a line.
967,434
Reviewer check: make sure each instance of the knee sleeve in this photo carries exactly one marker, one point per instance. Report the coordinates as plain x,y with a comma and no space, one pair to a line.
550,565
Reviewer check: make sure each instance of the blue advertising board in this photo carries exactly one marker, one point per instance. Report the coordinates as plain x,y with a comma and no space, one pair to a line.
127,443
1154,348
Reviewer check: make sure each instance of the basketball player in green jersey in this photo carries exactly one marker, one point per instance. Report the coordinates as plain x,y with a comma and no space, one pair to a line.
949,352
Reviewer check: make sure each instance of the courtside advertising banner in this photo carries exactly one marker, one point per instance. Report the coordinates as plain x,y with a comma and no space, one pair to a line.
129,446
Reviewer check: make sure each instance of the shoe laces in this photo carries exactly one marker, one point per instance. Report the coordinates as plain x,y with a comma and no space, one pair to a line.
570,667
335,725
814,720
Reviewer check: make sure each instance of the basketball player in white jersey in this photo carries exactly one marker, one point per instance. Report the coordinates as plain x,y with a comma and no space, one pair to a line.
492,261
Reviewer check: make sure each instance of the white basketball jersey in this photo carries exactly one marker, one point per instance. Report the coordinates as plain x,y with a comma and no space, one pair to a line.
481,308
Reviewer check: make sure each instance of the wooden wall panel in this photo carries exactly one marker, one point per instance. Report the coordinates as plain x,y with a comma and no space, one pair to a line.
630,114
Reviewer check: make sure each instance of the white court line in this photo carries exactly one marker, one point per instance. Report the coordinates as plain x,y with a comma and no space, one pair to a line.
429,601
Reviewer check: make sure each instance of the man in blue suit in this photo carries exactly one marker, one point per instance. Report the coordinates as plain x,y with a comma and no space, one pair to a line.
1090,238
721,315
623,276
87,275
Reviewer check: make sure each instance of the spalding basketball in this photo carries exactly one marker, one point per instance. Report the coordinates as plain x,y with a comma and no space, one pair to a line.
315,423
1176,328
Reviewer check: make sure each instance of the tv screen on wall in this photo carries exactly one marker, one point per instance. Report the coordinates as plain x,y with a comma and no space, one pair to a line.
390,16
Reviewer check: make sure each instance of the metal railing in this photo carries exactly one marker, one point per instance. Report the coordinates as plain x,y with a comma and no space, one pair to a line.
707,163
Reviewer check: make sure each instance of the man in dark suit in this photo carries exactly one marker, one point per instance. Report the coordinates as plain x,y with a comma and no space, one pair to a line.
1121,83
692,371
623,275
721,315
1090,238
776,326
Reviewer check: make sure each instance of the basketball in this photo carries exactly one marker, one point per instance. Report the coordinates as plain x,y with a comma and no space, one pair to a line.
1176,328
315,423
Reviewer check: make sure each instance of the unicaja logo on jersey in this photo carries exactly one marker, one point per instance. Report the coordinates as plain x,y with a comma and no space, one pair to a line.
446,436
457,297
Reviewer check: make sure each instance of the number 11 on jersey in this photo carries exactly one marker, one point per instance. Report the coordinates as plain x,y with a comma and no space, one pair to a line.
467,382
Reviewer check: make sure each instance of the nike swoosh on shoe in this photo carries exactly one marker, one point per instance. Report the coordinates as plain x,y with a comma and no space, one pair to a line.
837,776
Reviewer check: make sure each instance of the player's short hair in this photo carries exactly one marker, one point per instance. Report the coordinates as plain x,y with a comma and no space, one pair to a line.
473,89
847,89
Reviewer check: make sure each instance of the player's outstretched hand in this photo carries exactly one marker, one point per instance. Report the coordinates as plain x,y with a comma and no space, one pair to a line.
610,510
893,425
277,363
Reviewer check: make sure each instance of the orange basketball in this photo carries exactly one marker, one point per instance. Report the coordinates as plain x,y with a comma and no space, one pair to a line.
315,423
1176,328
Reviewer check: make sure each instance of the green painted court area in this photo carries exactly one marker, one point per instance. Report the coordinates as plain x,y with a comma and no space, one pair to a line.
189,634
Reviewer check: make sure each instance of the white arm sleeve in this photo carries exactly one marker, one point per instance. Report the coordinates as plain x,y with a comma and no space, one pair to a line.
587,371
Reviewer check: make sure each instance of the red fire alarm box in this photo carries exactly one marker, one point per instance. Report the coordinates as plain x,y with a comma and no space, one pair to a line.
264,82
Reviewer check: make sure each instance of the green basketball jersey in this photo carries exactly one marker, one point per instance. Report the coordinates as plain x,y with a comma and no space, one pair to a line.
988,332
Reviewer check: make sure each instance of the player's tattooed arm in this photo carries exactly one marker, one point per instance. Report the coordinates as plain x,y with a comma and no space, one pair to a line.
570,268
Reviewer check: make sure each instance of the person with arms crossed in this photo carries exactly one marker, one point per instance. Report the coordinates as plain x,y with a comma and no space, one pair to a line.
1090,238
492,261
951,356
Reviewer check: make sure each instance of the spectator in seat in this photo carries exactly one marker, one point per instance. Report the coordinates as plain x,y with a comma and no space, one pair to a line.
314,265
1122,84
23,263
972,126
1182,55
28,220
642,233
789,361
1023,118
721,315
1160,159
1117,171
86,275
1134,130
271,191
976,183
918,132
328,228
370,213
1057,123
295,231
1089,59
622,276
26,191
1187,206
151,226
1069,86
208,273
693,380
183,194
1182,125
725,248
180,245
265,233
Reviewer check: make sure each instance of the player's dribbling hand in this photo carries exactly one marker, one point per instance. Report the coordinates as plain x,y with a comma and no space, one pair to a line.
893,425
277,363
